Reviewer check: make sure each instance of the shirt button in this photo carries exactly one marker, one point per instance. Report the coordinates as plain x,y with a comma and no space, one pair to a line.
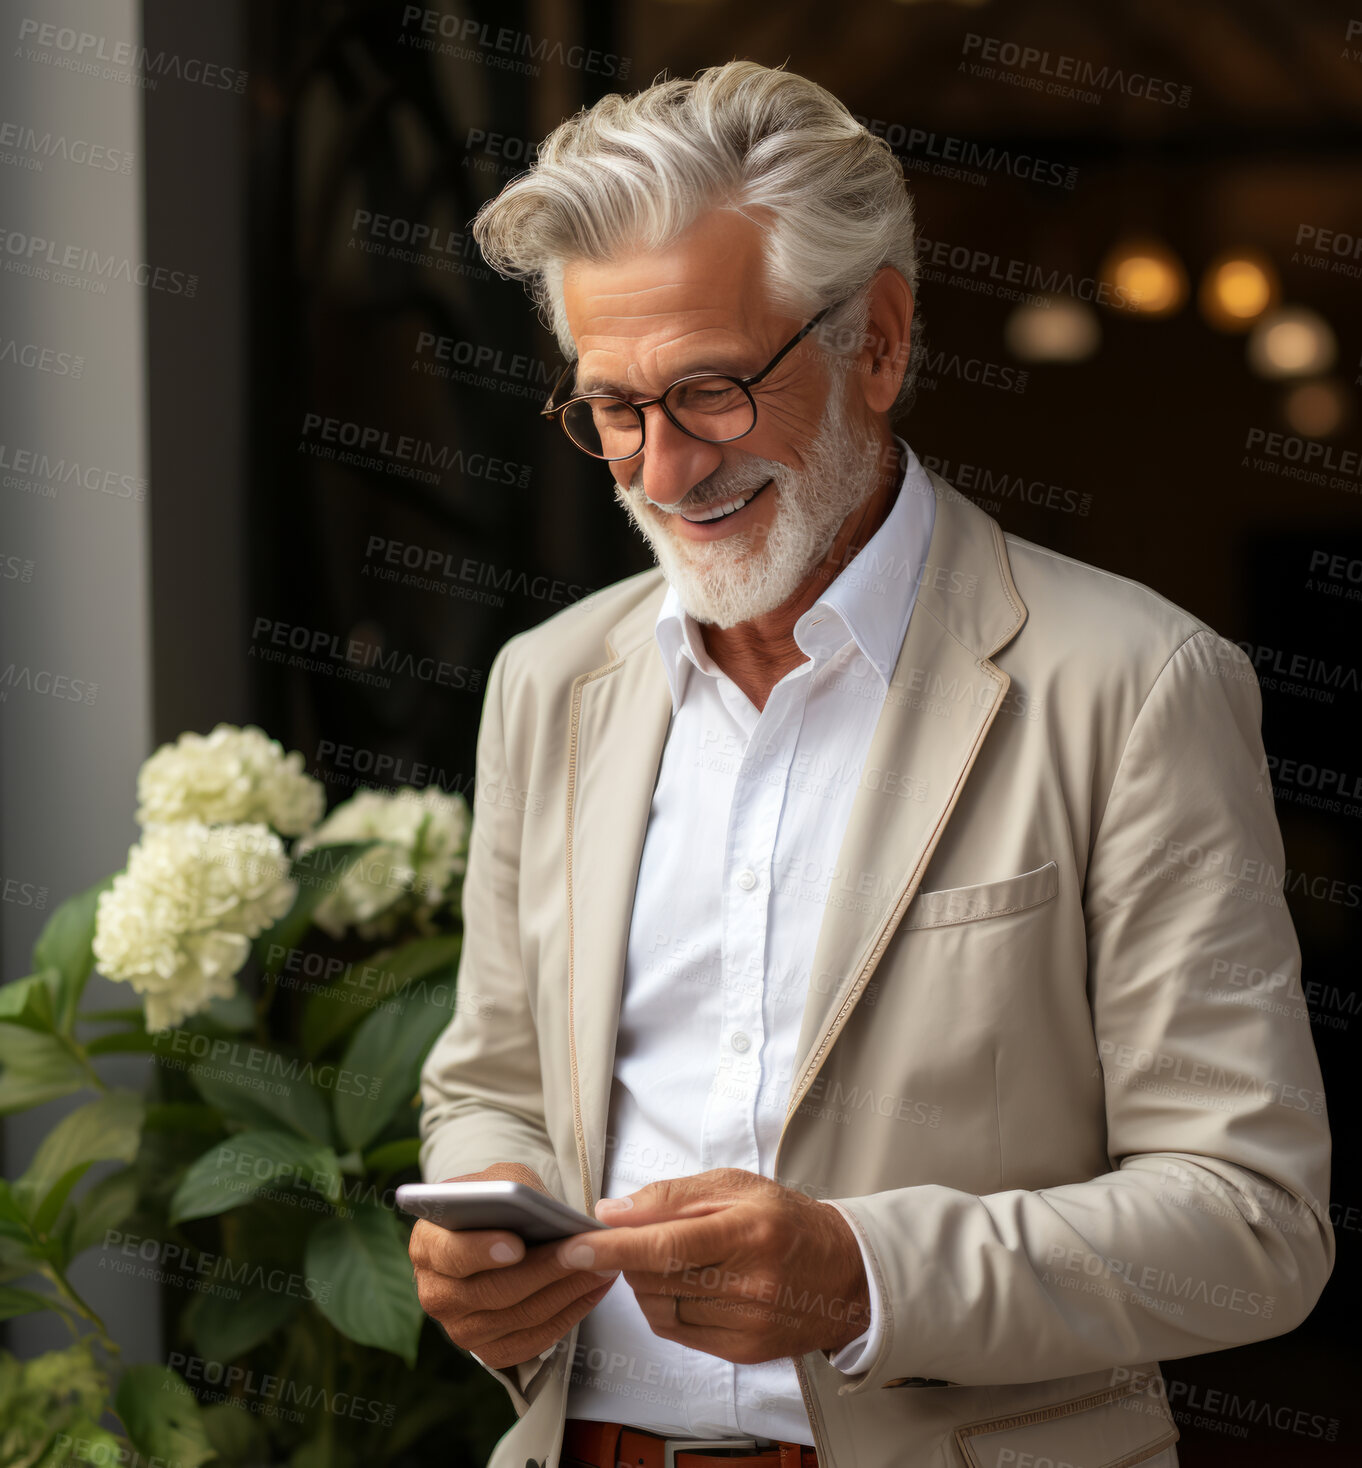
747,879
740,1041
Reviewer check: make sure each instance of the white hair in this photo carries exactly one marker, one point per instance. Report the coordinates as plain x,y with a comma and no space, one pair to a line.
634,172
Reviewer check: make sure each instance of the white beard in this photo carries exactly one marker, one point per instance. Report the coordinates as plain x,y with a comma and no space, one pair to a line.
732,580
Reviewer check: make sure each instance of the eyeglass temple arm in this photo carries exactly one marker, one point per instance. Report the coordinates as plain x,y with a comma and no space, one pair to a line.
788,347
550,408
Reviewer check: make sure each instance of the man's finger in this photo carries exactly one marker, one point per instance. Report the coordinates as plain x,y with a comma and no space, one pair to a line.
524,1345
482,1326
463,1252
676,1197
708,1312
711,1282
660,1248
499,1289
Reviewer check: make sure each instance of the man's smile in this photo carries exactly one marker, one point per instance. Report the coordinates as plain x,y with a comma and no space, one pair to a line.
727,509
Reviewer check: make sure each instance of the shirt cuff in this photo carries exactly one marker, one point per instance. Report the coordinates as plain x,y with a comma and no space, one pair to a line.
543,1356
857,1355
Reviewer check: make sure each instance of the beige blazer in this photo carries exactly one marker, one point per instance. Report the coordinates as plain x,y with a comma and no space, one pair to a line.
1047,1058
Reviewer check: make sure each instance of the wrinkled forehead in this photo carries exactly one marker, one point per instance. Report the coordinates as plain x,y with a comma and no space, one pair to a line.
649,316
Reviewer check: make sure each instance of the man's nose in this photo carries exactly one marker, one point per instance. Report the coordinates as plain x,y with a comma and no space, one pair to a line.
673,462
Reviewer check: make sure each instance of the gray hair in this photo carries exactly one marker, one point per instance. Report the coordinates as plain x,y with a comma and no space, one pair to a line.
636,171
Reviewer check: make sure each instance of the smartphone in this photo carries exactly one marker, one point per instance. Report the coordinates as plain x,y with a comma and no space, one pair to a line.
516,1207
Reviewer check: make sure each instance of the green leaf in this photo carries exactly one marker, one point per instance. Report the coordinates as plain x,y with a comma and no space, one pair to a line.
97,1444
263,1089
24,1302
162,1417
237,1436
14,1222
181,1116
233,1014
104,1130
121,1042
316,872
364,1271
393,1157
224,1329
102,1207
386,1055
364,987
133,1016
32,1002
34,1068
326,1450
237,1168
46,1212
64,944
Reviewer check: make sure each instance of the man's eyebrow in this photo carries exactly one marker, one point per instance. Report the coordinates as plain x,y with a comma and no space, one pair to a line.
592,383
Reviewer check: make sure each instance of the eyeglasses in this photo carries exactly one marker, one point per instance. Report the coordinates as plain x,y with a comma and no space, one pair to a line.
710,406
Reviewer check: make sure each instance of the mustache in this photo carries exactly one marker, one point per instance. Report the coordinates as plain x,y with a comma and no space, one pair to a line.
711,491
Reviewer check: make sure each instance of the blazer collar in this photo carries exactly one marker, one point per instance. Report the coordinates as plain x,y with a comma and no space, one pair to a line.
967,584
868,601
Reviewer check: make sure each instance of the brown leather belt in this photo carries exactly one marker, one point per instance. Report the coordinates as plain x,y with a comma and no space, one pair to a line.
612,1445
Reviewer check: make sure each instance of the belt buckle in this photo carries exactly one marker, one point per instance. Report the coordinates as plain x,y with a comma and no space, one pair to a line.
671,1446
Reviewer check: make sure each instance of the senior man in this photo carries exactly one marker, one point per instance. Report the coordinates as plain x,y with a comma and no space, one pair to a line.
860,940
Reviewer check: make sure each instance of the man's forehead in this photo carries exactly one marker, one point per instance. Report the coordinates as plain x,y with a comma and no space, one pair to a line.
617,357
626,334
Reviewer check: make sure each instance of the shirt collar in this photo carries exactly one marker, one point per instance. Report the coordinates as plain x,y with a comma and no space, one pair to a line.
868,602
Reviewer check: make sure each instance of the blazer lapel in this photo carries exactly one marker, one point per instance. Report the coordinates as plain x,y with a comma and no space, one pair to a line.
619,720
942,700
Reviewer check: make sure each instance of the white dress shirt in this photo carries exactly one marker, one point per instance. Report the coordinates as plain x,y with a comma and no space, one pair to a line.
742,842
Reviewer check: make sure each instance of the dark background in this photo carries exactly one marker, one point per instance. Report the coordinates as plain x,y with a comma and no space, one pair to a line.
1146,443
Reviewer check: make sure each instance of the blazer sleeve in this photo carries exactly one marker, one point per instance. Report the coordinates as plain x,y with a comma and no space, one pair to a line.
482,1097
1211,1229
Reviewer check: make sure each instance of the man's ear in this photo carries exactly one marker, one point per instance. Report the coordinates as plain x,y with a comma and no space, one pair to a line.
884,354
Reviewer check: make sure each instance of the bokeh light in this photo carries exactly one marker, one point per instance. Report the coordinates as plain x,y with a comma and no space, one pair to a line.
1236,289
1148,276
1291,342
1061,330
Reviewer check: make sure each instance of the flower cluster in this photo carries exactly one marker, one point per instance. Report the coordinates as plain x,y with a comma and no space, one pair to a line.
421,846
177,923
211,871
231,775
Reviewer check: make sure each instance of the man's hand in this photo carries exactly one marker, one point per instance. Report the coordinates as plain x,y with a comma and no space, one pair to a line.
757,1271
492,1294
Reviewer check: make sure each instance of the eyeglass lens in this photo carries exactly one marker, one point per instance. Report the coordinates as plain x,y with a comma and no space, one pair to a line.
711,408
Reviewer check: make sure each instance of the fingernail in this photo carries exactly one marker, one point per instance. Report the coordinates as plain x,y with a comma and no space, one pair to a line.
614,1203
580,1256
608,1273
502,1253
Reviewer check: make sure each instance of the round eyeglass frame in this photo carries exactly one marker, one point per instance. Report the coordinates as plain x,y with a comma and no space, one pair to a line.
552,409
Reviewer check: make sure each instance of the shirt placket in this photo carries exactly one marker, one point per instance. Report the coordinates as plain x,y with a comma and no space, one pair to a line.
729,1135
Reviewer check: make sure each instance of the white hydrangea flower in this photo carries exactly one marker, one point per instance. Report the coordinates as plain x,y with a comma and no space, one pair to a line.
231,775
422,844
177,923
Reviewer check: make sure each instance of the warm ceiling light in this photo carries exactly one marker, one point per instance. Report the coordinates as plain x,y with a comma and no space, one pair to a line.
1062,330
1236,289
1292,342
1148,276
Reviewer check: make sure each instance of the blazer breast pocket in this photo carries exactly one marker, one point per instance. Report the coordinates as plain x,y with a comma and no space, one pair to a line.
983,900
1114,1428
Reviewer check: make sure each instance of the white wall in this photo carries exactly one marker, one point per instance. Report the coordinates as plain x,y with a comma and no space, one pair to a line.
67,768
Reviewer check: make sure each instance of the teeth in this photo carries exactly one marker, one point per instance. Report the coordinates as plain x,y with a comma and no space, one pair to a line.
729,507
